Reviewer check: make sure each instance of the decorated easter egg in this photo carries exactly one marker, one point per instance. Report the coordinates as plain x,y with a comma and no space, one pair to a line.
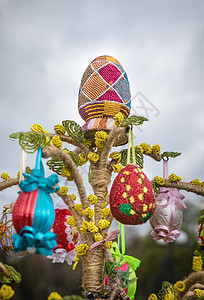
131,196
104,92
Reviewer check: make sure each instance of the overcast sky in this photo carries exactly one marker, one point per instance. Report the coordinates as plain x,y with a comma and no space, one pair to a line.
46,45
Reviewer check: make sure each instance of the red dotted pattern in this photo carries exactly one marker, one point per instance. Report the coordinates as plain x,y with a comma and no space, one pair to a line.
132,186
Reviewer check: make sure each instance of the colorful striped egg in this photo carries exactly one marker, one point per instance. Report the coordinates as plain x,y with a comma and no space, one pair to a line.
104,92
131,196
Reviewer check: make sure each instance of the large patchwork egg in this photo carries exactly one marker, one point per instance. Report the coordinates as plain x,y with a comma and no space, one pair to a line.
104,92
131,196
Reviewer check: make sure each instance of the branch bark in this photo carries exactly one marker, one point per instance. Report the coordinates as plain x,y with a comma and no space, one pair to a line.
8,183
187,186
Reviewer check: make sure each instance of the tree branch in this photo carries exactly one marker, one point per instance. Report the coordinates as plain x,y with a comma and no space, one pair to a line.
8,183
54,152
70,140
187,186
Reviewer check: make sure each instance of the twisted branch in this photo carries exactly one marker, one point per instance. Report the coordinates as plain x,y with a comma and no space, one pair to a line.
8,183
187,186
193,279
54,152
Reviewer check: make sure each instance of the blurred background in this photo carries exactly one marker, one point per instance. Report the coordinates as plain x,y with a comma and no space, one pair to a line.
45,47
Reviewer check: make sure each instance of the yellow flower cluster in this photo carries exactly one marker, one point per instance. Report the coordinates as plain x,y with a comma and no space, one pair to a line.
36,128
98,237
174,178
88,226
197,263
63,190
5,176
156,148
94,157
92,199
159,180
66,151
18,175
78,207
100,138
118,118
199,293
66,173
54,296
117,168
102,224
145,148
105,212
88,212
6,292
82,159
81,249
109,244
179,286
169,296
152,297
115,156
56,141
72,196
197,182
71,222
87,142
59,129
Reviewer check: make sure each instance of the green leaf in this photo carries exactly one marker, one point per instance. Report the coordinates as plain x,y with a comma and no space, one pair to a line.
55,165
133,120
74,130
138,156
15,275
31,141
201,219
125,208
74,157
170,154
156,188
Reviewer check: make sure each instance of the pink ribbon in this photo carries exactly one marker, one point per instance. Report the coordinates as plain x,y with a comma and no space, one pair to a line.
163,232
109,237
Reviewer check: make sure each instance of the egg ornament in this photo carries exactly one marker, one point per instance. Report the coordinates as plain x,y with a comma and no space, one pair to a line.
33,213
104,92
131,196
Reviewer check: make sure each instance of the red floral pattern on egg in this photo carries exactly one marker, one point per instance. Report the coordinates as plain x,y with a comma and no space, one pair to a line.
131,197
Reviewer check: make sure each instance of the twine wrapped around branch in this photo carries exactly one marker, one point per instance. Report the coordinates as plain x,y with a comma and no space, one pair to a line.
187,186
190,283
8,183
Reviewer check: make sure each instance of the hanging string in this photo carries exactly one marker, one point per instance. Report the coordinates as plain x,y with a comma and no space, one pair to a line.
22,165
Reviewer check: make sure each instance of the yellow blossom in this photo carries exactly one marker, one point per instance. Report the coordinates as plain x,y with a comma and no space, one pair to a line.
174,178
170,295
146,148
105,212
94,157
199,293
117,168
179,286
139,147
152,297
66,173
98,237
109,244
36,128
18,175
6,292
78,207
102,224
92,199
87,142
71,222
82,159
92,227
88,212
66,151
159,180
156,148
72,196
115,156
197,263
63,190
59,129
81,249
100,138
118,118
84,226
56,141
54,296
195,181
5,176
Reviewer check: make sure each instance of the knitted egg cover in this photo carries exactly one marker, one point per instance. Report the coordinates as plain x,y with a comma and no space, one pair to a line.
131,196
104,89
